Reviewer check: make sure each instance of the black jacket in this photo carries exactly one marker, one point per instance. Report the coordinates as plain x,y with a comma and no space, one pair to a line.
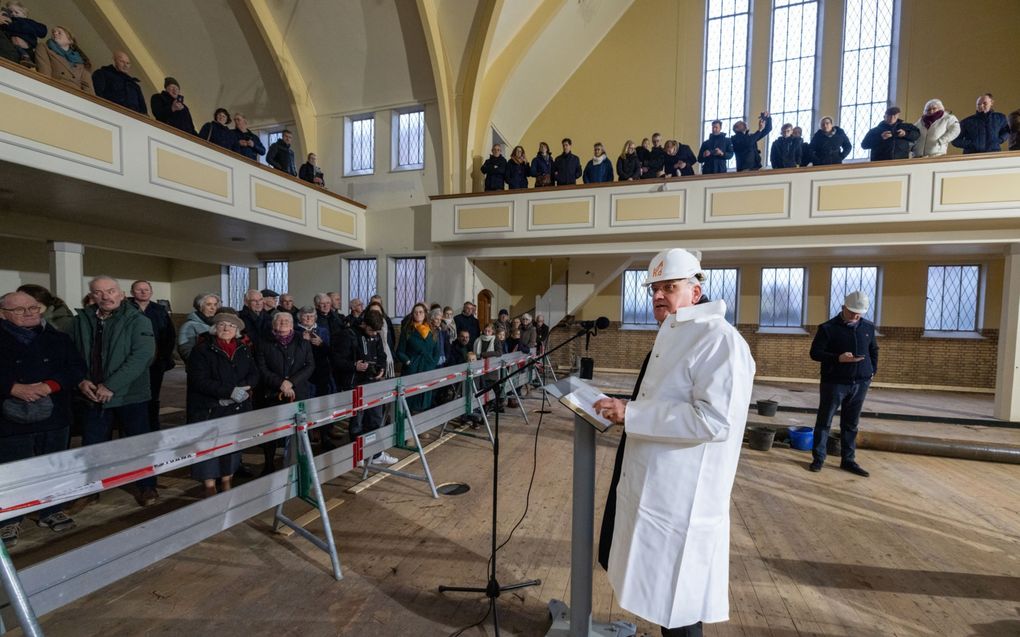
494,170
277,363
251,152
351,347
807,156
308,172
653,162
517,174
50,356
895,147
566,169
835,337
468,324
281,157
212,376
683,154
256,326
119,88
830,149
162,110
982,133
745,147
541,166
786,152
628,167
164,332
713,163
220,135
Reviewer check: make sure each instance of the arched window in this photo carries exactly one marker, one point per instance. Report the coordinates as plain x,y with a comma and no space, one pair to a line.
793,64
726,55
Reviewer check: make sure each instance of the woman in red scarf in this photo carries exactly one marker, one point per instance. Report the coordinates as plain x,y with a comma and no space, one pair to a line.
418,350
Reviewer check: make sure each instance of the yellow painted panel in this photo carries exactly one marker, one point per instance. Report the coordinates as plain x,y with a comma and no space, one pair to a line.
561,213
192,173
338,220
279,201
863,195
484,217
999,187
50,127
650,208
757,201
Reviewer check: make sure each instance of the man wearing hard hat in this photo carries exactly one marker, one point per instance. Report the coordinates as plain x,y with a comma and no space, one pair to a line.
845,346
667,548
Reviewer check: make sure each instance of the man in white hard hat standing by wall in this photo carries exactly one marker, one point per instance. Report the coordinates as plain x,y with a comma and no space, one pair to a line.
668,548
845,346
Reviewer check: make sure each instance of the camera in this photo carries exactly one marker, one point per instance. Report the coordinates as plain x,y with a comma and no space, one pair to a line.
761,115
372,370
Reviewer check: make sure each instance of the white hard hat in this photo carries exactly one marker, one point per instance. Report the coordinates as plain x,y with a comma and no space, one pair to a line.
857,302
672,264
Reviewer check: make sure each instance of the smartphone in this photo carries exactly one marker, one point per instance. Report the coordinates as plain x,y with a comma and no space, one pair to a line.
180,98
858,358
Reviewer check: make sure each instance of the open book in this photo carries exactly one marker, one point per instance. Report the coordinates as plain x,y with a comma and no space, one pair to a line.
580,402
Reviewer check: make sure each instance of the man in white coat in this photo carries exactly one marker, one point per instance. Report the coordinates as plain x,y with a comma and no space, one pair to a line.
669,556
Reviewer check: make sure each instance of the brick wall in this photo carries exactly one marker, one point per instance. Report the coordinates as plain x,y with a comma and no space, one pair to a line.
905,357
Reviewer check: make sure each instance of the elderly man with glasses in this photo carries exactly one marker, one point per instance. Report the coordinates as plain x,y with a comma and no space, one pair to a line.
39,371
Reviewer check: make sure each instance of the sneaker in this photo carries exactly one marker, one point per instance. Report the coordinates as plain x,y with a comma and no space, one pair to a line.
384,459
58,522
146,497
9,533
854,468
815,466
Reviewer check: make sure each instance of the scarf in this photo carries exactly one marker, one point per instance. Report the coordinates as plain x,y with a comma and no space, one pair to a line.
486,343
598,160
229,347
931,119
206,319
284,339
423,329
24,335
71,55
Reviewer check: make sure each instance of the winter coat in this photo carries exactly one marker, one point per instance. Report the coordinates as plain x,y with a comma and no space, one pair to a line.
829,149
517,174
418,354
628,167
120,88
807,156
281,157
934,141
786,152
468,324
834,337
76,76
683,154
27,29
163,331
60,316
598,173
219,134
895,147
162,109
354,346
277,363
323,374
51,356
212,377
494,170
982,133
251,152
256,326
541,170
308,172
129,347
745,147
653,162
669,559
714,164
194,326
529,336
1014,130
566,169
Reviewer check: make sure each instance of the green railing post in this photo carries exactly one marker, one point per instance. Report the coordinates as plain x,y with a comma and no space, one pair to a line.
304,465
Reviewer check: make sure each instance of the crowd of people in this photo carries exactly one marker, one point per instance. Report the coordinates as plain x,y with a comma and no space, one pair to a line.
23,40
66,373
930,136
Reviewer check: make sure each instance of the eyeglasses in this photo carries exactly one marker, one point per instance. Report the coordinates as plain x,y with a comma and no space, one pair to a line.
22,311
669,287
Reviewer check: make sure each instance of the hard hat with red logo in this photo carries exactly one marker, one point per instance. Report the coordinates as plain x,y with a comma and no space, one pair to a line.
673,264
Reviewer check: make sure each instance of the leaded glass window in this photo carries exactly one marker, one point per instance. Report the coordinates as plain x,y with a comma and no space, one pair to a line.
637,305
851,279
726,59
361,279
867,67
782,297
953,292
237,285
410,140
276,276
793,64
721,284
359,144
409,284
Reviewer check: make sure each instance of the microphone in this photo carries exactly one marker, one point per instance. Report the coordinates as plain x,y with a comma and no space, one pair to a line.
600,323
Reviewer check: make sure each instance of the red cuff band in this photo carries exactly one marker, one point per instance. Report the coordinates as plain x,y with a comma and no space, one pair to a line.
53,385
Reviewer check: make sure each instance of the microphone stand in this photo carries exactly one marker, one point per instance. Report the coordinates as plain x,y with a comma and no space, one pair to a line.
492,588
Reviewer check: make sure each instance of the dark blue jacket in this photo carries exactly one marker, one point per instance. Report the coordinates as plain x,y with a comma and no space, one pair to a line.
251,152
598,174
683,154
219,134
494,170
895,147
835,337
50,356
829,149
162,110
652,161
541,166
517,174
786,152
745,147
628,167
982,133
27,29
119,88
566,169
281,157
713,163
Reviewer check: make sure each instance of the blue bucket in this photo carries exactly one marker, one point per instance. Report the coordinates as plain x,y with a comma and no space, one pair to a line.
802,438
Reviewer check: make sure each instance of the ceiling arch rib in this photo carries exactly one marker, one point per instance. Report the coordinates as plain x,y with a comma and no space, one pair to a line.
109,14
445,95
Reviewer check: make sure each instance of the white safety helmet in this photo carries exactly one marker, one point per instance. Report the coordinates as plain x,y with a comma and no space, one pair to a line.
672,264
857,302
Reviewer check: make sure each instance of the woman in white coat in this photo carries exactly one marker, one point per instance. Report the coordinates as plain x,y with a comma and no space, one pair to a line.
669,556
938,128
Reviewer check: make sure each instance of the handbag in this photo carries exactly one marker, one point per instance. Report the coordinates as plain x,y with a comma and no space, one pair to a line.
26,413
543,180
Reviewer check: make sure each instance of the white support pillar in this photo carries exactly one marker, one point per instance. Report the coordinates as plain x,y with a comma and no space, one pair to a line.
1007,375
67,271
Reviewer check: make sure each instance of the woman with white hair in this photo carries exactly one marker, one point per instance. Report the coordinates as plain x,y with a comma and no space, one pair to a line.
286,364
199,322
938,128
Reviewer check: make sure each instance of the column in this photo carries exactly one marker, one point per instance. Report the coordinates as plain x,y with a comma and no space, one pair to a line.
1007,374
67,271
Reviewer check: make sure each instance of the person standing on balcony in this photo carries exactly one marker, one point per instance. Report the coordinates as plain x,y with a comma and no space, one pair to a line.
517,169
715,151
541,166
599,168
61,59
247,142
115,84
679,161
807,156
494,169
892,138
310,172
745,145
281,155
652,165
829,144
22,32
218,132
1014,130
937,129
168,107
786,149
628,166
984,131
567,167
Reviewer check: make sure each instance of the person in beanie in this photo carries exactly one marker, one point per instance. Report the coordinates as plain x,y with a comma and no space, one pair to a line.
168,107
892,138
845,346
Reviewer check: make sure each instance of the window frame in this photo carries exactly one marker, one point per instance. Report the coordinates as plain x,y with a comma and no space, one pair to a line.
736,290
279,289
979,303
395,165
392,283
876,301
783,329
706,121
816,83
345,277
226,287
349,121
652,324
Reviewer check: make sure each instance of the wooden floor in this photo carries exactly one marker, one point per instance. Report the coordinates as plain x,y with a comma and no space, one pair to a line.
926,546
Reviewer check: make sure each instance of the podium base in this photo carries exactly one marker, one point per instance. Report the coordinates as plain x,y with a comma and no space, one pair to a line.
561,624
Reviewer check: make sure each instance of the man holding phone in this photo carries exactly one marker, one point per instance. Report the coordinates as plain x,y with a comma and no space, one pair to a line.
845,346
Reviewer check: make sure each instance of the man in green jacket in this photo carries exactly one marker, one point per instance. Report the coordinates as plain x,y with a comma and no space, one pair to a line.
116,340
